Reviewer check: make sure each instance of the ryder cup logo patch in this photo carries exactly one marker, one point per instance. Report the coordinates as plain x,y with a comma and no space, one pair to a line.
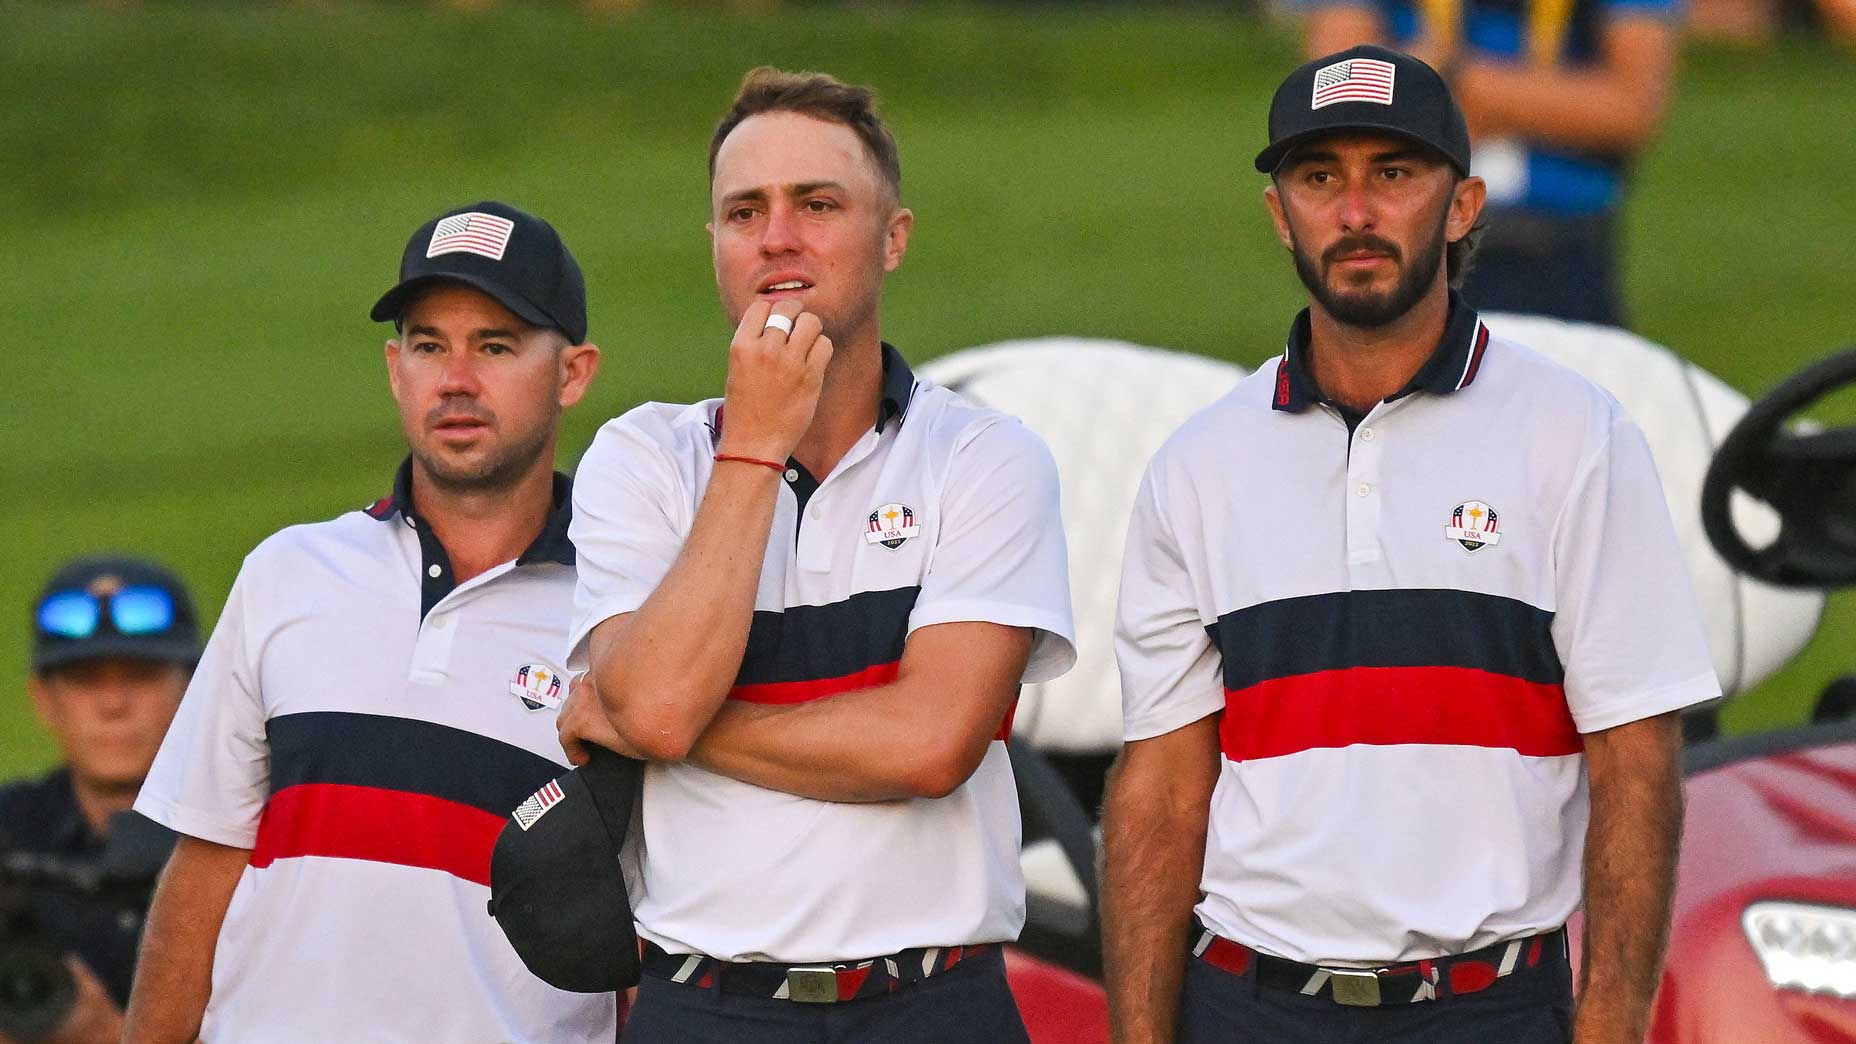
891,525
537,685
1473,524
1355,80
529,812
472,233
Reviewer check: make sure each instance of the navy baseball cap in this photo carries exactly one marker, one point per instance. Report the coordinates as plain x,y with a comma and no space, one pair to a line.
556,886
511,255
1366,88
113,606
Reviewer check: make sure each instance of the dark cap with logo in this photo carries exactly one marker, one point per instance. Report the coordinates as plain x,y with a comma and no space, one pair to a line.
1366,88
511,255
113,606
556,886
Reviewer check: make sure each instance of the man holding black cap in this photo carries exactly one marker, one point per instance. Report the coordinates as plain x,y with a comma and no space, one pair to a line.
1403,633
113,642
380,692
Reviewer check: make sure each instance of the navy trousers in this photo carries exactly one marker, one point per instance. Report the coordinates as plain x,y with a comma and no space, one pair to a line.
969,1003
1217,1007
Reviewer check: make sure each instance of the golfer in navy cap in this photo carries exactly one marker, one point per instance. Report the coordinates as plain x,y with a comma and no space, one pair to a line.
1403,632
380,693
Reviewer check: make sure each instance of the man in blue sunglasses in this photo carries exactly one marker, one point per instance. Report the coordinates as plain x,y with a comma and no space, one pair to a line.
114,640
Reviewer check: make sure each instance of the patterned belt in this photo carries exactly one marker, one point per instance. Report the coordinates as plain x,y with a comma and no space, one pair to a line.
1452,976
808,983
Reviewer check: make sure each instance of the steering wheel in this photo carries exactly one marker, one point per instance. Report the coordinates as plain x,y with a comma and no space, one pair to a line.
1808,478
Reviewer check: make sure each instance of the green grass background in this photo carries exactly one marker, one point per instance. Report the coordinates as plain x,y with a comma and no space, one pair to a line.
201,200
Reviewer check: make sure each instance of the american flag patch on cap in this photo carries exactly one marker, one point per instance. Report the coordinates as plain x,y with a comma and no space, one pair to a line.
1355,80
474,233
529,812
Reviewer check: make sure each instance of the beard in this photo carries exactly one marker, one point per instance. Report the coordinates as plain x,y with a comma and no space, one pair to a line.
1369,309
501,467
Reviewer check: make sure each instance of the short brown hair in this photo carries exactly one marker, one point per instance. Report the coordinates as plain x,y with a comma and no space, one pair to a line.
822,97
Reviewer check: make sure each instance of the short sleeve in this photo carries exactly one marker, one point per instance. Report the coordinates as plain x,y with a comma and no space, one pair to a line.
1170,670
1627,625
626,528
1000,555
212,775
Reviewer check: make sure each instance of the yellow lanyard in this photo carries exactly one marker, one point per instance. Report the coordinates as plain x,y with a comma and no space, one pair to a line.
1547,23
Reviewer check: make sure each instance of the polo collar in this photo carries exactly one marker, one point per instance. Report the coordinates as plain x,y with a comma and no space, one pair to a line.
898,388
1453,364
550,545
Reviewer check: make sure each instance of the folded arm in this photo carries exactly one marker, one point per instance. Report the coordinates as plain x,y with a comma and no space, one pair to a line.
921,735
661,672
1614,104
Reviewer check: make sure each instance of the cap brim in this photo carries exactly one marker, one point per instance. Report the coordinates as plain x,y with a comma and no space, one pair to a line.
1269,159
393,303
116,646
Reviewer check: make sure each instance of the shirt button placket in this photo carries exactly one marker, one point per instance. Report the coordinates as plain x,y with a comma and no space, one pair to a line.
815,537
1364,497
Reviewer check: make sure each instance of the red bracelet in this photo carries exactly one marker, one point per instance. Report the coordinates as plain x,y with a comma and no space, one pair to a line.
781,468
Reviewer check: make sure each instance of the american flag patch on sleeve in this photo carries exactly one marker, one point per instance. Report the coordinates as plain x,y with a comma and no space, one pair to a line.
473,233
529,812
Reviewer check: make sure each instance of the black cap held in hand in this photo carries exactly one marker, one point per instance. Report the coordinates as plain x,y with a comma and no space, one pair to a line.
513,256
556,886
1366,88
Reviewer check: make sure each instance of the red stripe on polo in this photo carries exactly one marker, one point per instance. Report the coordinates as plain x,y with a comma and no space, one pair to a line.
815,689
807,691
380,826
1382,706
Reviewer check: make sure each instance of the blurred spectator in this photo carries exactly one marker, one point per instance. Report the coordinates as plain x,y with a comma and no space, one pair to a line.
114,642
1561,96
1758,21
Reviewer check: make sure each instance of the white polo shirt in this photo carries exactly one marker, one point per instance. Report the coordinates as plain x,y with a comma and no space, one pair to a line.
1406,629
363,724
944,512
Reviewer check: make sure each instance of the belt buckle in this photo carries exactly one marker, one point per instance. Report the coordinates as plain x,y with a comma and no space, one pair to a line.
1354,987
812,984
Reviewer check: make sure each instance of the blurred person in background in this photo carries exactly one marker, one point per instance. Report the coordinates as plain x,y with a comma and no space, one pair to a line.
1757,22
1561,97
114,640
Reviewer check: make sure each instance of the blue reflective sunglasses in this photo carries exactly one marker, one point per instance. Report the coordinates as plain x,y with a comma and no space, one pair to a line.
132,610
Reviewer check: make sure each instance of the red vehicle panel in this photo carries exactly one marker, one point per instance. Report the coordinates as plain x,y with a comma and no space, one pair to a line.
1779,827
